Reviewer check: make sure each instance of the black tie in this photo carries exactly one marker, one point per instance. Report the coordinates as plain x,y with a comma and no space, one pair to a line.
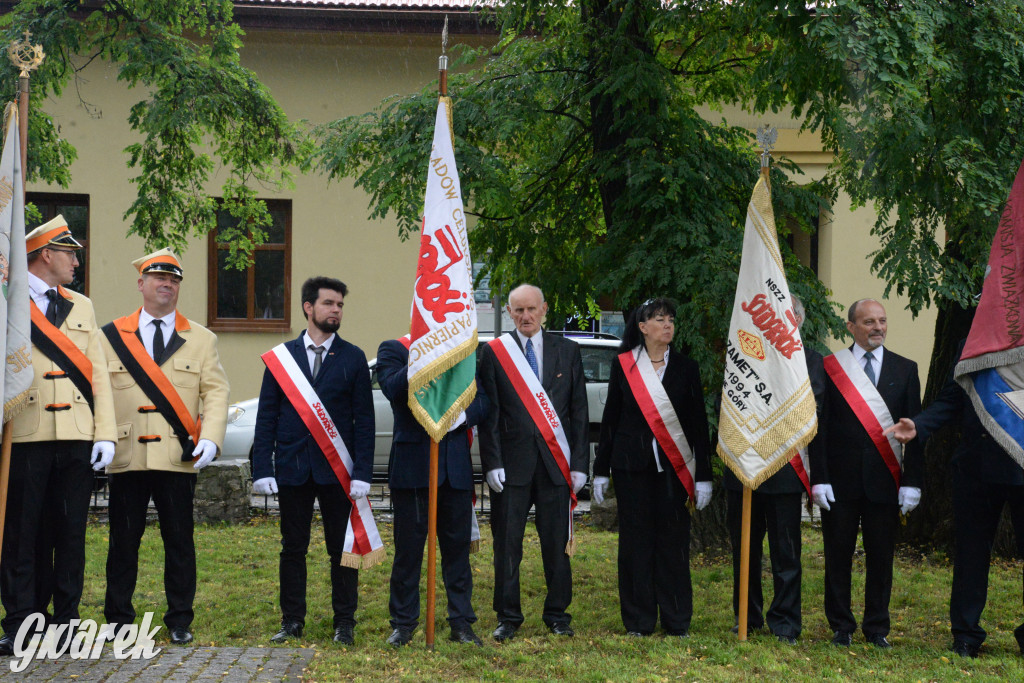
51,310
158,342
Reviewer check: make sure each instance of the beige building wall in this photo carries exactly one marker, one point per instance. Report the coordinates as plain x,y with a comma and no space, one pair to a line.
320,77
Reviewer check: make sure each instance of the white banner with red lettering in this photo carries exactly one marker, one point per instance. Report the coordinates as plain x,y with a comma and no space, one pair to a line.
533,396
661,416
768,410
363,545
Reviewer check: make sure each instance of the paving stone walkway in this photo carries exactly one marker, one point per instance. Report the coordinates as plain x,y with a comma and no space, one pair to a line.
199,664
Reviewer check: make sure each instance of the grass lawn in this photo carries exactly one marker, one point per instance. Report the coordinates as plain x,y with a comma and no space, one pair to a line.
237,605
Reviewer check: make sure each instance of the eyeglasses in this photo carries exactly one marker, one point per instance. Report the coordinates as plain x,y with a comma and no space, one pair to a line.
73,252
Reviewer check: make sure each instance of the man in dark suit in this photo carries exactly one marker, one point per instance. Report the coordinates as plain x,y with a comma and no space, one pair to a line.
408,483
985,480
288,461
853,482
776,511
521,469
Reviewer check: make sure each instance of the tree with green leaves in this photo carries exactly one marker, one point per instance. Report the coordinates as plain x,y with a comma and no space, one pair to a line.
199,109
927,127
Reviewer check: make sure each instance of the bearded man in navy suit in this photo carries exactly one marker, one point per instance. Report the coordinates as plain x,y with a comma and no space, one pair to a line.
288,461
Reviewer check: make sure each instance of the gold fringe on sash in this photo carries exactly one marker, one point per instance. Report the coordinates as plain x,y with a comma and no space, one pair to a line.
474,546
357,561
570,547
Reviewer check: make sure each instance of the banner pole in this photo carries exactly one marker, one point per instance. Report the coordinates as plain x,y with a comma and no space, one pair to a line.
432,545
27,57
744,577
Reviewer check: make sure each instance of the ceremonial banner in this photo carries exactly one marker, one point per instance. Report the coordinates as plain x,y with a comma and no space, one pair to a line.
15,321
768,410
991,367
442,349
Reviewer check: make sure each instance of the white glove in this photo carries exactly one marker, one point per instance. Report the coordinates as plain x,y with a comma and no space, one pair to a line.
267,486
206,451
496,479
459,421
578,480
358,489
909,498
703,494
822,495
102,455
599,487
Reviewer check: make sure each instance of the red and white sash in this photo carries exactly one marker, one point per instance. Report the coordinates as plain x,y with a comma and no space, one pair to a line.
363,547
535,399
868,405
661,417
802,467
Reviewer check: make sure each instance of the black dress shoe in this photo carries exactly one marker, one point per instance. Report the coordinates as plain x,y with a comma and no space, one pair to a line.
7,645
289,630
1018,634
400,637
637,634
878,640
345,635
506,631
561,629
842,639
965,649
464,634
180,635
677,634
788,640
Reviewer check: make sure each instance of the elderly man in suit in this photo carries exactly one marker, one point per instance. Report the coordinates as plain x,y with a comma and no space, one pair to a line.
859,477
67,425
165,371
522,469
986,479
408,483
287,459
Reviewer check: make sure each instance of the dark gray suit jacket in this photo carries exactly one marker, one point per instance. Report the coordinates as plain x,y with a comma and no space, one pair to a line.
509,438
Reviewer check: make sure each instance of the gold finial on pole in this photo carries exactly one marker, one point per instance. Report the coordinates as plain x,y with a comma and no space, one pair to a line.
25,55
766,138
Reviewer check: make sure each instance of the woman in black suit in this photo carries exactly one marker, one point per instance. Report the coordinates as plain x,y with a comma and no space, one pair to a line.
654,522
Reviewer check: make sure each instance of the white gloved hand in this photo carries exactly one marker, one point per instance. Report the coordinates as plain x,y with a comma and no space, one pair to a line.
909,498
822,495
496,479
206,451
598,488
102,455
358,489
703,494
578,481
458,422
267,486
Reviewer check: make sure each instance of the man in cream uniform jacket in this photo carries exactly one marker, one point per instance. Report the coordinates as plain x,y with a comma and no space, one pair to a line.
66,425
165,371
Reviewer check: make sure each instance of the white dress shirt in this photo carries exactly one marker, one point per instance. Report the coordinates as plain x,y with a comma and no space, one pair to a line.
147,329
876,356
538,348
306,341
37,290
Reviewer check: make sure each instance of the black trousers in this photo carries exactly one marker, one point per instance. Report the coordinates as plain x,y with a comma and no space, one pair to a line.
839,529
654,551
776,515
296,517
172,494
44,533
977,507
454,522
509,510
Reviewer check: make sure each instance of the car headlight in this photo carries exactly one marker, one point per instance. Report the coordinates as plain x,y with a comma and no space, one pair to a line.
234,413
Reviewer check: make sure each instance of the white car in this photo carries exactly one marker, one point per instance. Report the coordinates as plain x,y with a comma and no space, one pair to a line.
598,350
